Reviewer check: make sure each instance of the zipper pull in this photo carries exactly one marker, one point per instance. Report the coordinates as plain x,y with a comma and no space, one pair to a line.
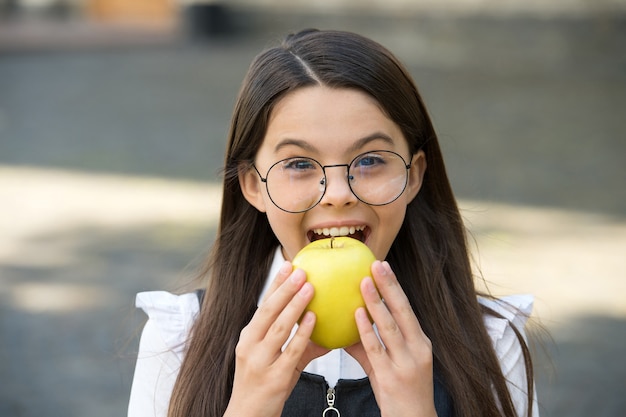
330,400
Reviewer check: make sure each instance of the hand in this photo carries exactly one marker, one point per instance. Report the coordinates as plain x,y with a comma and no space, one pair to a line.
264,373
401,368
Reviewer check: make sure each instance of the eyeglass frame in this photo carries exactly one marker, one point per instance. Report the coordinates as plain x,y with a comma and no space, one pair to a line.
325,178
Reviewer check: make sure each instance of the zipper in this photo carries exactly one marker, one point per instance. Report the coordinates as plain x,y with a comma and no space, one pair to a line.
330,411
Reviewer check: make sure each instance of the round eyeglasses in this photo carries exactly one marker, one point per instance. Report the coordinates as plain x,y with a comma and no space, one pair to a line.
298,184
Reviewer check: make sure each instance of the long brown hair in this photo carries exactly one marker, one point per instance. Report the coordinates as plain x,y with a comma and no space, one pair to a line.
429,254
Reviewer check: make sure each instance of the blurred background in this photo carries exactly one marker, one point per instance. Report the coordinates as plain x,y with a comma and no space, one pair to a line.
113,119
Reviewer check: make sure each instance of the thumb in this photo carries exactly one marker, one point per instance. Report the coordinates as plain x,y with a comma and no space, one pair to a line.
357,351
311,352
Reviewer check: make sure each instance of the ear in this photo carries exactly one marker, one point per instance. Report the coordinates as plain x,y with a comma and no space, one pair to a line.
416,175
252,187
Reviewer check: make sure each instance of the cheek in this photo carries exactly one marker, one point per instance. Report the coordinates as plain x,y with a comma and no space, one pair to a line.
390,223
287,229
277,223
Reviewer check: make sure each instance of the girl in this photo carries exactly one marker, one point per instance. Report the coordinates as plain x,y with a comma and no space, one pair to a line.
330,137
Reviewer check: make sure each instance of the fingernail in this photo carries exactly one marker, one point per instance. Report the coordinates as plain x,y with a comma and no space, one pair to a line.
369,285
286,267
361,315
298,276
308,317
386,268
379,268
306,290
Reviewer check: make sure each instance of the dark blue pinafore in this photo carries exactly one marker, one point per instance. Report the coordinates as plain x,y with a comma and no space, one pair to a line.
312,397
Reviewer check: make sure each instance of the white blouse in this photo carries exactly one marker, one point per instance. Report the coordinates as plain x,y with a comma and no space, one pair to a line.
170,318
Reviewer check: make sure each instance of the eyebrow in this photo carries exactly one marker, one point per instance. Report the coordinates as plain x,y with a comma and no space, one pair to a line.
294,142
359,144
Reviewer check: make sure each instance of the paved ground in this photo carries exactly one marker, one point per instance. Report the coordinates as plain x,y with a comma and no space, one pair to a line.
109,157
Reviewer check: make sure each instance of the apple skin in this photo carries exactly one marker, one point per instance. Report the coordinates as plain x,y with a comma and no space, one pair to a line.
335,267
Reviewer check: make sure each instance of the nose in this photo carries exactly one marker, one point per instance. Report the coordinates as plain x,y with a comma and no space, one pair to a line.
338,192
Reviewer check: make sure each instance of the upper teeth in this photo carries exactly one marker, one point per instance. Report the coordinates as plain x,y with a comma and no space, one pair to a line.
339,231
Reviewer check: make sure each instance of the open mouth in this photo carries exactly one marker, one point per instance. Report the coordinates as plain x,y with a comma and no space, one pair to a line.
355,232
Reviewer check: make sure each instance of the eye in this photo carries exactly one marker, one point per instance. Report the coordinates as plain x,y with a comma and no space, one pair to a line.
369,160
299,164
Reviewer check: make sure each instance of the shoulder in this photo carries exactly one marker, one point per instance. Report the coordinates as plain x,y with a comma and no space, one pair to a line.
504,322
170,319
503,327
509,314
161,350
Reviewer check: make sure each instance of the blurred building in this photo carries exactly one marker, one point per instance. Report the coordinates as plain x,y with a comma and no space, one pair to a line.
166,10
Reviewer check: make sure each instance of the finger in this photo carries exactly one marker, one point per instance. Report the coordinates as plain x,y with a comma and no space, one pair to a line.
274,304
283,273
357,351
387,327
282,327
293,356
397,304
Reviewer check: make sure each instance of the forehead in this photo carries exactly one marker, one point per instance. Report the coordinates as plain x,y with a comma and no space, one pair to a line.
321,119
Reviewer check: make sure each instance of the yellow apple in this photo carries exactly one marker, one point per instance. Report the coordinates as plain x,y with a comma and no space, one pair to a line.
335,267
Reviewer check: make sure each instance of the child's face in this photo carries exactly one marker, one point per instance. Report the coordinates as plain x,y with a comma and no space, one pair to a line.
331,126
